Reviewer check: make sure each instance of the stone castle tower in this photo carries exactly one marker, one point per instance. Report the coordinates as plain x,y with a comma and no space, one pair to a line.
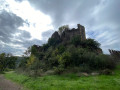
82,31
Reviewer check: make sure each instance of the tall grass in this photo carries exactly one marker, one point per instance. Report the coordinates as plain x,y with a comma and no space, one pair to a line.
68,82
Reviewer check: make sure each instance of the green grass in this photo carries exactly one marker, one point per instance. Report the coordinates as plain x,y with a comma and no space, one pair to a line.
68,82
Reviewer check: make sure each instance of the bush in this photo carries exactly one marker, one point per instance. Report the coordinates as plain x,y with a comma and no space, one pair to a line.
53,41
65,59
53,61
100,62
76,40
61,49
23,63
80,57
59,69
92,44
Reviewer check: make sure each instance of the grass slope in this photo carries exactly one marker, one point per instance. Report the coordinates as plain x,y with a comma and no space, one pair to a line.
68,82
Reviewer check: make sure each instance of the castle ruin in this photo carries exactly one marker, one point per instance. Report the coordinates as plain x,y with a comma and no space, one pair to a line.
67,34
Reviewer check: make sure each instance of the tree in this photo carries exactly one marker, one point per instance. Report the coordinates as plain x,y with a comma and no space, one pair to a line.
61,49
62,28
65,59
76,40
34,50
27,52
92,44
11,62
2,62
7,61
53,41
45,46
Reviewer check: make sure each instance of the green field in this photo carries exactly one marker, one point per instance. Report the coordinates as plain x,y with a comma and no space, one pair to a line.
68,82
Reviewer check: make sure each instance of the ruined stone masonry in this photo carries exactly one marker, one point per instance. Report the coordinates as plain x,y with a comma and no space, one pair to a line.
115,54
67,34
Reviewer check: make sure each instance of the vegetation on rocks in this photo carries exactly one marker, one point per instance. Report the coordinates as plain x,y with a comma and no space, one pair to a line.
60,56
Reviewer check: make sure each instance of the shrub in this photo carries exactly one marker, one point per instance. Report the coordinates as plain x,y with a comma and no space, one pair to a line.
92,44
80,57
23,62
76,40
59,69
31,60
101,62
53,61
61,49
53,41
65,59
45,46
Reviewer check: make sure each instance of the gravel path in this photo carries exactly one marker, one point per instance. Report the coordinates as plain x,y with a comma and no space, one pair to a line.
8,85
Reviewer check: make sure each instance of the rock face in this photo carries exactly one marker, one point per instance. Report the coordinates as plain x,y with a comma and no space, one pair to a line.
56,35
68,34
38,48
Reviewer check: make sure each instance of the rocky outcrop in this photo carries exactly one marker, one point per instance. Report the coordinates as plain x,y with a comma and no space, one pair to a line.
38,48
56,35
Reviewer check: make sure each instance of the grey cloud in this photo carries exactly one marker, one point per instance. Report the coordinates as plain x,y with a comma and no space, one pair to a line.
9,49
110,12
9,23
108,20
24,34
47,34
10,19
66,11
101,17
9,40
19,0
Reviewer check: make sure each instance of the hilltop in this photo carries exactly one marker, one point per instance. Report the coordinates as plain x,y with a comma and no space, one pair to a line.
66,36
67,50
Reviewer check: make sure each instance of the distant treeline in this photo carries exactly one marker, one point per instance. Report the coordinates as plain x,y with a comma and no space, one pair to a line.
7,61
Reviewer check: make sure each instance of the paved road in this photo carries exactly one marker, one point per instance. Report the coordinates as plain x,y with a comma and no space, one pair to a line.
8,85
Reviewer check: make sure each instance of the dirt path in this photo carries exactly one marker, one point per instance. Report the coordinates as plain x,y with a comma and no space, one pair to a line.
8,85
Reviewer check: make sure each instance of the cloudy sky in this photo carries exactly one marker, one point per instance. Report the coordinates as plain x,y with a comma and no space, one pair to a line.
27,22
